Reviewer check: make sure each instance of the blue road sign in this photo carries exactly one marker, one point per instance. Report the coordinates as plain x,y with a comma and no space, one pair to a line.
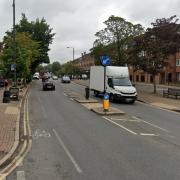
106,96
105,60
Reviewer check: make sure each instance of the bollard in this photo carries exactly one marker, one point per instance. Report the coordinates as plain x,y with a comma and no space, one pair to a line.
87,92
106,102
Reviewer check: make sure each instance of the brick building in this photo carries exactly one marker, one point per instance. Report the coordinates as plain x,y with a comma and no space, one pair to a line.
84,62
169,74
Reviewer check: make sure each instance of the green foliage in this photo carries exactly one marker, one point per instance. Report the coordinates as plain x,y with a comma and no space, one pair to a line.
27,51
41,32
56,67
113,39
69,69
150,51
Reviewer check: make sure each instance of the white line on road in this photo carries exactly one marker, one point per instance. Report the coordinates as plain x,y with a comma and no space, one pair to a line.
125,120
68,152
44,112
132,132
147,134
151,124
20,175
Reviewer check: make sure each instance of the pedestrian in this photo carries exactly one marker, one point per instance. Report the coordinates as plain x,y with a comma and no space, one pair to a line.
6,83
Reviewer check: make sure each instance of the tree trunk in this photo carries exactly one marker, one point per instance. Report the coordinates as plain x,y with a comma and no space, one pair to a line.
154,84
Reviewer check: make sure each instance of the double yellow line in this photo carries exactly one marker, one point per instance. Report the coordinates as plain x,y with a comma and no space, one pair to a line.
27,144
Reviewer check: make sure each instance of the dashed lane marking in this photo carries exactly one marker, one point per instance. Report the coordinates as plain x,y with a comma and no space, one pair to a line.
147,134
126,120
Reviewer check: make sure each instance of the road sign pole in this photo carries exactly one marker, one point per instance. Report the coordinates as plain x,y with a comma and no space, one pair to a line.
104,79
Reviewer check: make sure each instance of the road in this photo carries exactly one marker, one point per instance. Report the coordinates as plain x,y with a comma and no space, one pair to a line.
71,142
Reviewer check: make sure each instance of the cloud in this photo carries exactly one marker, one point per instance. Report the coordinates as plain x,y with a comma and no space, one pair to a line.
75,22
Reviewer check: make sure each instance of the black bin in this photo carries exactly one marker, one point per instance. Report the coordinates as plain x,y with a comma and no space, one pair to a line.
6,96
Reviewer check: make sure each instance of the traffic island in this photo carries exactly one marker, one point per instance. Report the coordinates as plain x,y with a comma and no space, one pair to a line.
83,100
111,111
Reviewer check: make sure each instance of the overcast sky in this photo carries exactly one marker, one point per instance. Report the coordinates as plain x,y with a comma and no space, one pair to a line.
76,21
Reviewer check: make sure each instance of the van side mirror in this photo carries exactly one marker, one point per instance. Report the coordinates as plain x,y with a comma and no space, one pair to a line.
111,85
134,85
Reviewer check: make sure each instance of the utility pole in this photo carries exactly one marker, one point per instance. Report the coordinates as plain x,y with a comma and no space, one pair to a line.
14,44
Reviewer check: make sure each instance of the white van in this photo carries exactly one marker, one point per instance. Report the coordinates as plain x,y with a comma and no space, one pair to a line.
117,83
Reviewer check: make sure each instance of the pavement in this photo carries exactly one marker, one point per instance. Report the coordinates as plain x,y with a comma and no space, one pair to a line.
9,126
10,114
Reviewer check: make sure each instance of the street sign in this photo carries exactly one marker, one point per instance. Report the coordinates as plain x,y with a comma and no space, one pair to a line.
13,67
105,60
106,96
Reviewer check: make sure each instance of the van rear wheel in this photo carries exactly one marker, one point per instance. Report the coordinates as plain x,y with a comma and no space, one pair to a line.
96,93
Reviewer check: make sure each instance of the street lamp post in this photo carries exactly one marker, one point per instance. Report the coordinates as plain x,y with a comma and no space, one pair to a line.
73,51
14,43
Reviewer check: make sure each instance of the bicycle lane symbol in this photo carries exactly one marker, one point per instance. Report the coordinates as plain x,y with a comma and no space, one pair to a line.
38,133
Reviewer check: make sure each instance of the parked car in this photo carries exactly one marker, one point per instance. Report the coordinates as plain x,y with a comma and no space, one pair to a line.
48,85
35,76
65,79
1,82
54,77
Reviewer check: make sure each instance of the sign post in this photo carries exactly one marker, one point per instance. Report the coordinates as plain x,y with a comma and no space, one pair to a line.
105,61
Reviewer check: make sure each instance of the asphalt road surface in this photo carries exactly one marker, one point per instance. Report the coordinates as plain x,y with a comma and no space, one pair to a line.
71,142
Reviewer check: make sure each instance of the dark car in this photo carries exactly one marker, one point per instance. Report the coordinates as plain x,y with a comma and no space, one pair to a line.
1,82
48,85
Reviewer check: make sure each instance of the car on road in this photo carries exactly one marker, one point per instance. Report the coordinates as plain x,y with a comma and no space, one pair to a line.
54,77
1,82
65,79
48,85
35,76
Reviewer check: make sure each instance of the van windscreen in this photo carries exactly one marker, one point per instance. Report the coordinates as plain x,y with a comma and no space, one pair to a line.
121,81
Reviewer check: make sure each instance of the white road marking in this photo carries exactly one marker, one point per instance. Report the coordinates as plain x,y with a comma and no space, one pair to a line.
20,175
41,133
147,134
128,120
132,132
151,124
68,152
44,112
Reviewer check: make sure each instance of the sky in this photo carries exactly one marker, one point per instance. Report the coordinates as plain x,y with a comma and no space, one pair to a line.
75,22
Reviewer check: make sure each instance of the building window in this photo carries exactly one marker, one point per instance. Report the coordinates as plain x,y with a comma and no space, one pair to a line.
131,77
142,78
137,78
178,76
177,62
151,79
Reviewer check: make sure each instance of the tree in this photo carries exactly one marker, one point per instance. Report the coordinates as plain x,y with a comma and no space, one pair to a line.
27,51
69,69
41,32
113,39
151,50
55,67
